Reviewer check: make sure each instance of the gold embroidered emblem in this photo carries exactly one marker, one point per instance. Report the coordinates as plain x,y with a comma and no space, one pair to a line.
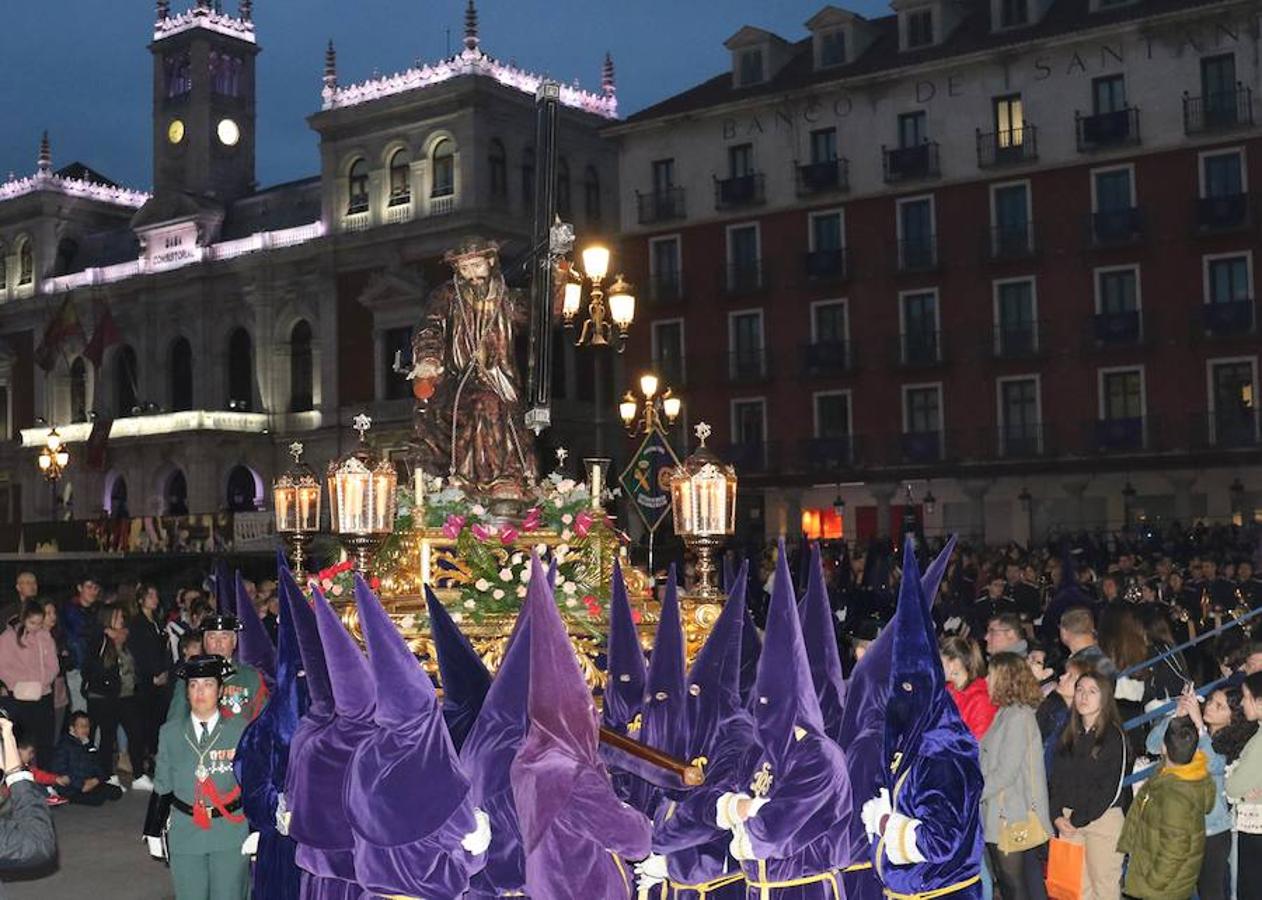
634,724
799,732
897,761
761,785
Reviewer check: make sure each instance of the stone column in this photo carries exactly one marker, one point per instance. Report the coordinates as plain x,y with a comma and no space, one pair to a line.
1074,487
1182,483
975,489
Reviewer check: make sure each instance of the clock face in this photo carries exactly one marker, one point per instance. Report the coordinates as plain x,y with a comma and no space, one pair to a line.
228,132
175,131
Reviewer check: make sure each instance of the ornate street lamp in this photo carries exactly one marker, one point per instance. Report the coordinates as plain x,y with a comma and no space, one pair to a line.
703,500
361,499
605,308
53,460
656,406
296,500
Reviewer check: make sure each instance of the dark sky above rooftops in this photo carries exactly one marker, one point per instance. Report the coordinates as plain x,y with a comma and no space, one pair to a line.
81,68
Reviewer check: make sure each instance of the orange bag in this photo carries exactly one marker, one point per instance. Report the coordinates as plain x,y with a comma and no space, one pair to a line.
1064,870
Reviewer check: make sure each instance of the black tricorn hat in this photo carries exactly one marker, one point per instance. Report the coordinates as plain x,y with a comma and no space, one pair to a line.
220,622
204,666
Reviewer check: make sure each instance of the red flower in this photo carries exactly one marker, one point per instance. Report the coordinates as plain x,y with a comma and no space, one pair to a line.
508,534
374,583
635,616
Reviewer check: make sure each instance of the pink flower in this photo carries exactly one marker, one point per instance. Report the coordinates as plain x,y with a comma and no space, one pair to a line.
583,523
327,583
481,532
453,525
337,590
533,519
508,534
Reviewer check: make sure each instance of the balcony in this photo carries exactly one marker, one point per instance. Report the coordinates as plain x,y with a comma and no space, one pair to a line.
665,288
918,254
1104,131
1012,147
1025,440
750,457
1016,340
921,447
739,191
911,163
1122,435
748,366
748,277
1116,227
1234,318
919,349
1222,111
826,266
1226,212
1118,329
665,205
1011,243
830,454
822,359
1226,431
830,177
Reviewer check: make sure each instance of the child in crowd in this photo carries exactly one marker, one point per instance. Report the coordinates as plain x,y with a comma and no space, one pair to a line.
190,645
76,760
45,779
1164,832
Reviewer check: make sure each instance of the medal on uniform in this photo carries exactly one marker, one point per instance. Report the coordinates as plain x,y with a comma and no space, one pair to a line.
201,773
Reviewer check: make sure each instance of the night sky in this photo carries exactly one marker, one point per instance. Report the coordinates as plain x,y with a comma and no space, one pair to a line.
81,68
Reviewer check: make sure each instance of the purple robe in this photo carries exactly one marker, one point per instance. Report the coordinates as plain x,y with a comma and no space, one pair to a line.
464,676
624,690
819,633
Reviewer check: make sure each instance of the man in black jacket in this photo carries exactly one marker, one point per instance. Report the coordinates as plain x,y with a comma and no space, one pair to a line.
27,838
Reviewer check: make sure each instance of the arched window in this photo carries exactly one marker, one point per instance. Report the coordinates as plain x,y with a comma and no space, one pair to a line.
125,386
357,187
400,177
528,177
178,74
240,370
78,390
67,250
243,490
181,375
443,166
497,162
175,494
116,498
300,368
563,188
26,262
591,194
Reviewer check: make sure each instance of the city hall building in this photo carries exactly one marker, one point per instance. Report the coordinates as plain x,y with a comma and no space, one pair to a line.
989,263
180,339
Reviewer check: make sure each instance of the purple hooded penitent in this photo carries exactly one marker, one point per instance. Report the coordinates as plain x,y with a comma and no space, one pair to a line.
254,646
929,762
487,756
720,733
803,831
224,587
820,635
464,677
407,799
624,661
263,755
575,831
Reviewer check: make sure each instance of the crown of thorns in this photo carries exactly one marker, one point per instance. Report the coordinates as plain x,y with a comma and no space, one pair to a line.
470,248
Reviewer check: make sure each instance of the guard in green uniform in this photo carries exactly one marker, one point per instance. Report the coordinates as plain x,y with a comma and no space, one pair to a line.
244,691
195,818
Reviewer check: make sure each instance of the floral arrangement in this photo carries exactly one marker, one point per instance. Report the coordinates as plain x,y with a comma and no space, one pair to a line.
337,582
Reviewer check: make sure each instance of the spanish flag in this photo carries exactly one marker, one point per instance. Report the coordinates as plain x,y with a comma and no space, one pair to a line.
61,327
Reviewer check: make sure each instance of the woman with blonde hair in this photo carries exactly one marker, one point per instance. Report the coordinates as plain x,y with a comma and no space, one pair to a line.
1014,799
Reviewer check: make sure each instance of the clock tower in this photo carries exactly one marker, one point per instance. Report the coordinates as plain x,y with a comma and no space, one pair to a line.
203,102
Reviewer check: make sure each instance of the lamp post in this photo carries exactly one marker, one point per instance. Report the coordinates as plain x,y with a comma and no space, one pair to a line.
606,308
655,407
361,499
296,501
53,460
703,500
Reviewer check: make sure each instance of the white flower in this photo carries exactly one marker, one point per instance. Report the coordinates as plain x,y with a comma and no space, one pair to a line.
521,590
477,509
571,601
482,585
457,617
469,604
541,549
525,575
566,534
563,549
498,594
517,559
567,519
407,622
565,485
558,503
569,588
506,574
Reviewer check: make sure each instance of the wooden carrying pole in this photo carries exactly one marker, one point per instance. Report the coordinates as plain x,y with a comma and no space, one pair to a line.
688,774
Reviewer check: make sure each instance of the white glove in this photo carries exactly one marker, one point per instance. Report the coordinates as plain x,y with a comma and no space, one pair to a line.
250,845
651,871
874,811
155,847
476,841
725,815
282,815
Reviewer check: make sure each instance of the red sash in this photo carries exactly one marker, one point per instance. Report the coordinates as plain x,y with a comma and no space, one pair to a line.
206,791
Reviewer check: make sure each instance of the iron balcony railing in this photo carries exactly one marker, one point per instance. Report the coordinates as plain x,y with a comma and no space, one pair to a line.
1218,111
830,176
1011,242
1118,329
750,366
1226,430
745,277
1121,434
827,358
921,447
911,163
751,457
1021,440
1224,212
1116,227
1017,340
826,265
1229,318
666,287
829,454
739,191
919,348
919,254
1007,147
1107,129
662,205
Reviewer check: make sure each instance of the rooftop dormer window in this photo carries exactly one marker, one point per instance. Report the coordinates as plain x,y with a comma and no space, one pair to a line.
919,23
831,48
750,67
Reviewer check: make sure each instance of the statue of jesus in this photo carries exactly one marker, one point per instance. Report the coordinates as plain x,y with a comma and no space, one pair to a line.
469,416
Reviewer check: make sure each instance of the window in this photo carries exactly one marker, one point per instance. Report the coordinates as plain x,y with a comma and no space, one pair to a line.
1009,122
1228,279
396,340
668,351
750,62
26,263
919,28
1108,94
1013,13
443,162
301,368
563,188
1016,327
1019,416
175,494
824,145
181,375
240,370
497,167
78,390
919,313
663,175
826,232
745,333
664,267
1222,174
400,177
528,177
1122,395
1218,87
357,187
591,195
922,410
1233,402
125,386
1113,190
1117,291
1011,219
915,231
225,74
740,160
743,258
832,415
828,323
177,72
912,129
243,493
749,424
832,48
